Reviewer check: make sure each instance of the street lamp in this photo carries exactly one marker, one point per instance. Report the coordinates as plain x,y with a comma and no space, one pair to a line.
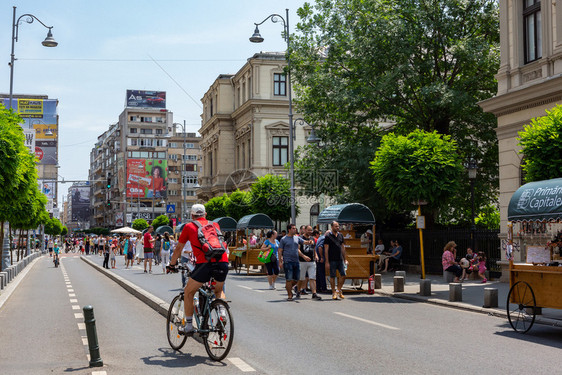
472,167
48,42
183,192
257,38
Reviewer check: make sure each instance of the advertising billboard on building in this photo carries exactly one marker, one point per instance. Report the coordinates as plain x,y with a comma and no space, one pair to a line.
47,188
146,99
80,203
147,178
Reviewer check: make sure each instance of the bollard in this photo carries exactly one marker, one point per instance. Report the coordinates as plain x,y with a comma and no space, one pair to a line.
448,276
90,321
490,297
400,273
2,279
425,287
455,292
378,281
398,284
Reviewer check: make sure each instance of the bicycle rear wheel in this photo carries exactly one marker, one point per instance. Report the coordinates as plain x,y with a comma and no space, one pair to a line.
221,330
175,318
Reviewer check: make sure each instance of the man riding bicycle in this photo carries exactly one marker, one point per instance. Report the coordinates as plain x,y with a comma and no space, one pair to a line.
204,269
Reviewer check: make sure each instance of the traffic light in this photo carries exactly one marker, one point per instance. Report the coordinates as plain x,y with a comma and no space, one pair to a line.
109,182
108,203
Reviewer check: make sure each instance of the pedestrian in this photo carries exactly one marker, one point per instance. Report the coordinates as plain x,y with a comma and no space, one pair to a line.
321,286
96,242
148,242
101,244
272,266
393,259
114,252
336,259
87,245
289,258
129,249
165,251
105,249
157,249
50,245
367,241
448,260
139,249
482,266
307,264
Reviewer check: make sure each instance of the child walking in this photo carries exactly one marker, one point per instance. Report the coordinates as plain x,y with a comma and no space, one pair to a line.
482,266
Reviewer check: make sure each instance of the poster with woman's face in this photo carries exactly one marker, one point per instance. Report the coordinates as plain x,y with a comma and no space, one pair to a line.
147,178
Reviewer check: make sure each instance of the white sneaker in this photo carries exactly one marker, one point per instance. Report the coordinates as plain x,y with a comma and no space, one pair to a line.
271,287
186,329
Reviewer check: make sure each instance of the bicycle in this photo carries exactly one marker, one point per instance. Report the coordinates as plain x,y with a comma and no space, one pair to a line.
216,329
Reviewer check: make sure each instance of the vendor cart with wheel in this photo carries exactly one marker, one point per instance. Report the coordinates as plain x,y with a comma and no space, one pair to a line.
246,255
535,284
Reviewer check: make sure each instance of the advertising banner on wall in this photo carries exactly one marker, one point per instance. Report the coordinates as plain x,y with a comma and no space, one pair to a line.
146,99
29,135
80,203
147,178
47,188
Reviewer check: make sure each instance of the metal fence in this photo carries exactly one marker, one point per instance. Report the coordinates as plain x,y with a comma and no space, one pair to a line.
434,241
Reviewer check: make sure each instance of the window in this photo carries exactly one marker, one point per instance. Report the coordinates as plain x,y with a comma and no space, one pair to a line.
133,142
133,130
172,180
189,145
190,157
279,84
145,142
191,167
280,150
146,131
160,142
158,131
146,119
173,157
211,107
173,192
173,145
532,30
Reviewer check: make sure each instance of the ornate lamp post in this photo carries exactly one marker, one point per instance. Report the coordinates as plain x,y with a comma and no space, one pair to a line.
472,167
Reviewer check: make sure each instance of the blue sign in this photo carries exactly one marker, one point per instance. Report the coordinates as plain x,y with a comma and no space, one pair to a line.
171,208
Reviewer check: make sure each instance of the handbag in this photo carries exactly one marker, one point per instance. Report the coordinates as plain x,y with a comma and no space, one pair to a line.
265,256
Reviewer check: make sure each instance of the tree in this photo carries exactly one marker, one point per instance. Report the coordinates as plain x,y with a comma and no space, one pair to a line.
53,227
64,230
422,166
421,64
541,143
239,204
271,195
140,224
215,207
160,221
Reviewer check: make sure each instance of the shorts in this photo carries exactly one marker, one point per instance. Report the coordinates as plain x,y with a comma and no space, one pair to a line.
272,267
292,271
148,255
336,265
204,271
130,255
309,267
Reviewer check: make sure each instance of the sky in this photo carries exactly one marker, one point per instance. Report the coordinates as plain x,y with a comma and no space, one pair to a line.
106,47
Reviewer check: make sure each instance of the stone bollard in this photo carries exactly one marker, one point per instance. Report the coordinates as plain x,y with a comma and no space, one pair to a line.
490,297
398,284
425,287
10,273
448,277
400,273
2,280
378,281
90,321
455,292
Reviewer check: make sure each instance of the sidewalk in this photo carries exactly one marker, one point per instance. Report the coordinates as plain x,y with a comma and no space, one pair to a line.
472,296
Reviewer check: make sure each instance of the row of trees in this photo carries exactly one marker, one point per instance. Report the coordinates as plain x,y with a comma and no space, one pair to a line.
22,205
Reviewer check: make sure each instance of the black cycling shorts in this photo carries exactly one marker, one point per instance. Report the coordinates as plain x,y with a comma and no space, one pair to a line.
204,271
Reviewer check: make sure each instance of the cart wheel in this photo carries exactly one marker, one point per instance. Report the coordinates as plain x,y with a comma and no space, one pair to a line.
522,315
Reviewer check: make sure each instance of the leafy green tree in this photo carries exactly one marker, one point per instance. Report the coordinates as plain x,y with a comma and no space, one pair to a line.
160,221
215,207
421,64
64,230
489,217
140,224
271,195
541,143
53,227
239,204
100,231
421,166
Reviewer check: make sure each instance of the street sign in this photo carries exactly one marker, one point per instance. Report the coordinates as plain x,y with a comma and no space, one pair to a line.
420,222
171,208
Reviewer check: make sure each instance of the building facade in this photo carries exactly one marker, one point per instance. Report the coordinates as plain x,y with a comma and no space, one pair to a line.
529,83
135,170
245,128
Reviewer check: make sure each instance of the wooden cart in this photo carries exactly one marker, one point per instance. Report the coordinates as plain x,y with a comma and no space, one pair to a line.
533,286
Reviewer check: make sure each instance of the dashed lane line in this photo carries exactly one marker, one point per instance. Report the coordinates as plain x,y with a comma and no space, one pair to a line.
247,287
367,321
242,366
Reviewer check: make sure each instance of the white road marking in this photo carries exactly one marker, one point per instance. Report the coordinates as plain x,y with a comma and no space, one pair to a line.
70,290
242,366
73,300
78,315
81,325
72,295
98,372
367,321
75,307
85,340
246,287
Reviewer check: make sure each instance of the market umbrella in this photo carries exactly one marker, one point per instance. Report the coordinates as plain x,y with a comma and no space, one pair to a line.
164,228
126,230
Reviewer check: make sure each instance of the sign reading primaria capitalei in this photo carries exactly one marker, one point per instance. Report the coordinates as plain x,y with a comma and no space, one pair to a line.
539,200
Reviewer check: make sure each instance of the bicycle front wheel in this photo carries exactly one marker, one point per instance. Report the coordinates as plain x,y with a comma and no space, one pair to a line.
175,318
221,330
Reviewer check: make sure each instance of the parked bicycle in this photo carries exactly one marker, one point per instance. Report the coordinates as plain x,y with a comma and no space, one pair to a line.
212,320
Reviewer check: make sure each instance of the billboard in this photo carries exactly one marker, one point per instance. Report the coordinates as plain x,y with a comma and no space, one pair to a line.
80,203
147,178
47,188
146,99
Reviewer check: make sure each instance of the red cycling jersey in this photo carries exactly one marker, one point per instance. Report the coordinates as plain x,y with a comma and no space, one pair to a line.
189,233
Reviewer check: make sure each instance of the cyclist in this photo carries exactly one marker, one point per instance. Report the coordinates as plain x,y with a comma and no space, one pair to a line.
56,255
204,270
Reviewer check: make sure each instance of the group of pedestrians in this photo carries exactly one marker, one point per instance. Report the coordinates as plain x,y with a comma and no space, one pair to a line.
471,262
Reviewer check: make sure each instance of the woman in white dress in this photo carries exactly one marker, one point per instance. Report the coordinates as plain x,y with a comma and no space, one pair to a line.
139,249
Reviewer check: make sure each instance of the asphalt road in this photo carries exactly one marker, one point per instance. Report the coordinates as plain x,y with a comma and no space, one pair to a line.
361,334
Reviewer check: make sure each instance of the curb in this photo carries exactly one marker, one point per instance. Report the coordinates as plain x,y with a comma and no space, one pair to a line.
11,287
500,313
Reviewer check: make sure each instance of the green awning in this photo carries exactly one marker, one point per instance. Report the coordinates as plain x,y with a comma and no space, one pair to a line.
350,213
255,221
164,228
179,228
539,200
226,223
